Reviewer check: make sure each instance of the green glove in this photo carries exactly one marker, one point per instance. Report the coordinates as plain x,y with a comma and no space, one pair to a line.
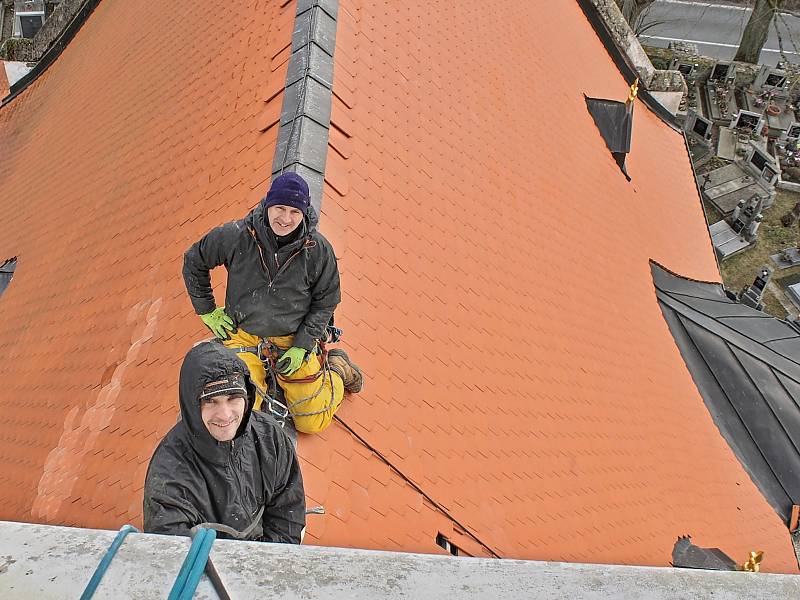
218,322
293,359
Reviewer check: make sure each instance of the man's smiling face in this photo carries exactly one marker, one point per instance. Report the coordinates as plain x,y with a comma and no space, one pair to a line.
222,415
283,219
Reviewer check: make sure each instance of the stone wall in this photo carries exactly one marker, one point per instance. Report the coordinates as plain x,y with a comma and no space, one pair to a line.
6,19
652,79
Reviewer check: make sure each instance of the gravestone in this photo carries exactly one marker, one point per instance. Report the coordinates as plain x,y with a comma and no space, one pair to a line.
752,229
753,294
698,127
740,232
769,78
721,101
748,121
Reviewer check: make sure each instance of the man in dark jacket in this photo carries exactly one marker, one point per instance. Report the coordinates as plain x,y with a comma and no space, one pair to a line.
223,465
283,286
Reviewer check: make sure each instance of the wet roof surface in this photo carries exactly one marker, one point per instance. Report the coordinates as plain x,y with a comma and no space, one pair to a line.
747,366
524,396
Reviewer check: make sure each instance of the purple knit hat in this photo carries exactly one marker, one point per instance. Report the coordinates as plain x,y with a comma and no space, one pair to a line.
288,189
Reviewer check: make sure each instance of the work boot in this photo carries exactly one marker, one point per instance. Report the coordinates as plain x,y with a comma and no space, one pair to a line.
351,375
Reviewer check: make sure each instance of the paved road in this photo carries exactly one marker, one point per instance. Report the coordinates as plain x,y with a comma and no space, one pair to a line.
716,29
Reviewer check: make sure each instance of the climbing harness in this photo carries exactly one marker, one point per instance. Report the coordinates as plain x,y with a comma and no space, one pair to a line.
101,569
268,353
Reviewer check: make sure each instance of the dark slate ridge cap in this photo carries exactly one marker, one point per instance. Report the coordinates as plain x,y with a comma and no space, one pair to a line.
329,6
756,349
684,289
627,70
304,125
53,52
788,365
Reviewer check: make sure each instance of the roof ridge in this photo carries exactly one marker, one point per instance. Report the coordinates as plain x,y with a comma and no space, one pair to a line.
305,118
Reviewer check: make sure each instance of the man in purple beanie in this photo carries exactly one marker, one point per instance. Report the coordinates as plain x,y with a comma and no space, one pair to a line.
283,286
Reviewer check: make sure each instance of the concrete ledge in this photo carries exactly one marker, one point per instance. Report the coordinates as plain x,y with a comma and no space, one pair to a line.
46,562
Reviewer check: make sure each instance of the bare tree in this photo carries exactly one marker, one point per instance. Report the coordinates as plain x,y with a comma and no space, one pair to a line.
632,10
756,30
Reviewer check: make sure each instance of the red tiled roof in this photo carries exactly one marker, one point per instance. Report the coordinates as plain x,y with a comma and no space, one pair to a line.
498,290
136,141
521,382
4,85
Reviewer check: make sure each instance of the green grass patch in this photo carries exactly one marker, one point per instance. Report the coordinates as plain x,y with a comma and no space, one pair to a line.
740,270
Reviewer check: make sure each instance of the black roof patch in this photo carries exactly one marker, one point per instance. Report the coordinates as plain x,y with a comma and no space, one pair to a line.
6,273
746,365
614,120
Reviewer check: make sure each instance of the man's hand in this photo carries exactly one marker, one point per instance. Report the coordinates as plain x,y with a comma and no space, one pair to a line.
219,323
291,360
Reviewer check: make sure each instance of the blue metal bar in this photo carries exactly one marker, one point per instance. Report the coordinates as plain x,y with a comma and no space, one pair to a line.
101,569
188,562
199,566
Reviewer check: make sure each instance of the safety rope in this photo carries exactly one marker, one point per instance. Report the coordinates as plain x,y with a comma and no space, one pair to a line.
327,372
193,565
101,569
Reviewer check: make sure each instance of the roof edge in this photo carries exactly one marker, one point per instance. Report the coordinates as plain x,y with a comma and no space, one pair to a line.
35,568
54,51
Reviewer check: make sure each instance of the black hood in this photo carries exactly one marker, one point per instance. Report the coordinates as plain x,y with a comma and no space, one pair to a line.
257,219
207,362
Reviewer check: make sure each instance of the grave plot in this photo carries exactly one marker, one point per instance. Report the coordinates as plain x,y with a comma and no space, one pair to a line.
769,95
727,186
730,236
721,104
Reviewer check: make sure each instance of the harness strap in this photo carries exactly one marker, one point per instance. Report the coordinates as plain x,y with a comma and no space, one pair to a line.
251,349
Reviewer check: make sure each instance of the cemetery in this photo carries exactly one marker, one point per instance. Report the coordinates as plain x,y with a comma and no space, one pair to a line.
742,127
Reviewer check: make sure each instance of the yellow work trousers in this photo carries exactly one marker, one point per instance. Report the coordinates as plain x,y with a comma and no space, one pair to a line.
312,404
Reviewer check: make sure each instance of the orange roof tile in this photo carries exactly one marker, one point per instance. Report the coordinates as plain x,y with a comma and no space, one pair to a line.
4,83
524,396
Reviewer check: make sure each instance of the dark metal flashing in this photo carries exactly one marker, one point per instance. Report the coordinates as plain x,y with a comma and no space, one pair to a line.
614,120
622,62
54,51
7,269
306,113
746,365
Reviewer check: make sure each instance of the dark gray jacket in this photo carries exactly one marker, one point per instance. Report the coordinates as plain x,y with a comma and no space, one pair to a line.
194,479
271,291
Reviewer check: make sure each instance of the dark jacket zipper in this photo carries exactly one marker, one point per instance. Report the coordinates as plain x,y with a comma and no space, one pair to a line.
280,267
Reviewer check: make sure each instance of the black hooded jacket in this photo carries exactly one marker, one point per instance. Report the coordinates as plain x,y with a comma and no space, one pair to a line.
193,479
272,290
